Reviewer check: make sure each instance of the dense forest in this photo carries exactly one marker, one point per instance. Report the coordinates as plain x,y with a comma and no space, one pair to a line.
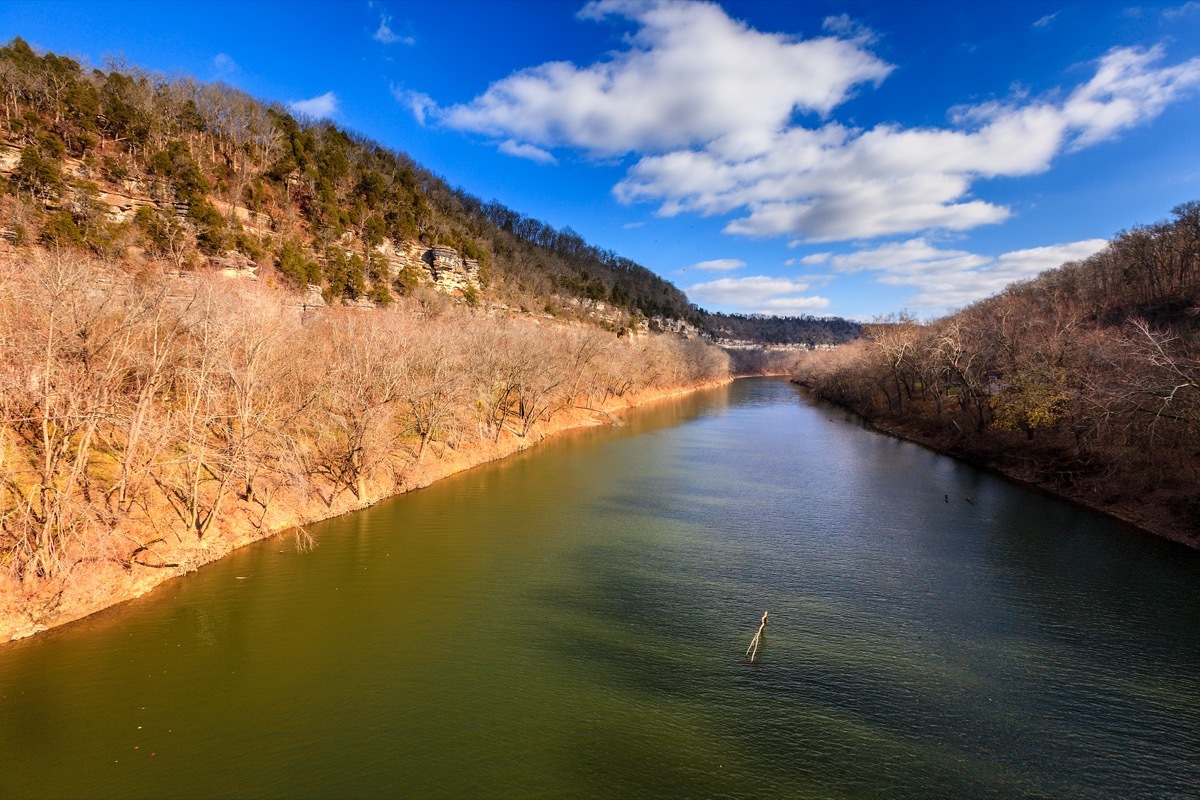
205,171
1085,380
810,331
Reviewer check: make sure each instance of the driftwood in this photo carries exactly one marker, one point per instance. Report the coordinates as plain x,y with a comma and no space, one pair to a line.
752,650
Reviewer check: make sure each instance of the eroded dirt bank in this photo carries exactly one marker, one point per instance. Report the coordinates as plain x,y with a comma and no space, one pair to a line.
23,613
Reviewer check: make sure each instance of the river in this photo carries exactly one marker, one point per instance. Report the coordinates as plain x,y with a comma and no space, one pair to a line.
572,622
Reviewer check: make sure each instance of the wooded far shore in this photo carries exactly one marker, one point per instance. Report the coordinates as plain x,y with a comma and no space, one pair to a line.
1084,381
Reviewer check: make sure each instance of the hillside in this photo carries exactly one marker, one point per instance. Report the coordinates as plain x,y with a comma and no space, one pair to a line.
218,322
1085,380
128,165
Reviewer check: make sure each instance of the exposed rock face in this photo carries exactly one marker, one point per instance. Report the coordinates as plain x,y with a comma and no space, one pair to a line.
442,266
678,326
9,158
451,272
312,299
235,265
596,309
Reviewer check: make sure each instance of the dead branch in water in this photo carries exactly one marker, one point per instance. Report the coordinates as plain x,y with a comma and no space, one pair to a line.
752,650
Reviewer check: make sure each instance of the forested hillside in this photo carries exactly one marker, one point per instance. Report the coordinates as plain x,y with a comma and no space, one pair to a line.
808,330
1085,380
149,425
218,321
130,165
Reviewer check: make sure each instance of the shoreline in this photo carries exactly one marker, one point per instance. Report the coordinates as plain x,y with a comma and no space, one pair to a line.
82,599
1139,525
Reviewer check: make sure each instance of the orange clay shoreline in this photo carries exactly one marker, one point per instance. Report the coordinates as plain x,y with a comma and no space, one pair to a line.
108,585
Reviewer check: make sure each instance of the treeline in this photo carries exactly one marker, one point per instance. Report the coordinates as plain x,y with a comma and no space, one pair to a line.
573,267
317,200
805,329
210,148
1085,379
141,417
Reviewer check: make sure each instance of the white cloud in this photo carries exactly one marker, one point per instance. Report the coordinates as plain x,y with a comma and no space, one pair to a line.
758,294
418,103
842,25
690,74
1046,21
319,107
835,183
386,35
1027,263
632,225
718,265
1190,7
723,119
816,258
1126,91
224,65
527,151
947,279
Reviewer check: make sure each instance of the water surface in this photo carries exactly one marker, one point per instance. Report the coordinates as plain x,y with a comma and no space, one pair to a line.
572,622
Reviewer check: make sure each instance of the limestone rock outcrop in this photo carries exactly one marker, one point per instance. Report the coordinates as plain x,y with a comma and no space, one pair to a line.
441,266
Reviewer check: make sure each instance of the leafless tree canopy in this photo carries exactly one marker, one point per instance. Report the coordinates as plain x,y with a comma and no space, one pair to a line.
150,408
1086,378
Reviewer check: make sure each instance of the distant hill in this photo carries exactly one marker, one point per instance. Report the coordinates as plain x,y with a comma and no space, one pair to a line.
138,166
810,331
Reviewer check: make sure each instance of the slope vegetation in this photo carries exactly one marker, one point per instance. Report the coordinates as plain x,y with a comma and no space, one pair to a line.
218,321
131,165
1085,380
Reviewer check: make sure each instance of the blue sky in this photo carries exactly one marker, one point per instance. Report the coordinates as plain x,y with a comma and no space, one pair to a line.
848,158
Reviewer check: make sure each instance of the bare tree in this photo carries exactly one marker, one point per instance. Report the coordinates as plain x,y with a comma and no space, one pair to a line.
434,380
63,363
196,479
360,358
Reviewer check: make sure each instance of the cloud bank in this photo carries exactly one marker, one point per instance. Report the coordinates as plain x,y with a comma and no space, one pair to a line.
722,119
690,75
835,183
762,294
944,279
948,279
718,265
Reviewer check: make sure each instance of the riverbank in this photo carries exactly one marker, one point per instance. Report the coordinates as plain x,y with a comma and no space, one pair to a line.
25,612
1148,519
591,600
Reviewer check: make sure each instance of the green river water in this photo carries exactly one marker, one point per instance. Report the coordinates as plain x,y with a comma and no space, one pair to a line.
572,622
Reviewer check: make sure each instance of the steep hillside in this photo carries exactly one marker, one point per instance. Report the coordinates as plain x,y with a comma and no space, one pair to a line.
812,332
133,166
1085,380
217,322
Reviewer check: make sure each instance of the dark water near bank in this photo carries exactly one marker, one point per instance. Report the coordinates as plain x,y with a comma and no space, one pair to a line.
572,622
